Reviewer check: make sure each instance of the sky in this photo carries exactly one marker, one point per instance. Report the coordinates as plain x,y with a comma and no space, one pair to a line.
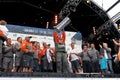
106,4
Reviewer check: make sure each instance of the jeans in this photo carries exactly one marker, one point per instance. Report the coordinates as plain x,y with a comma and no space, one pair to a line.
110,67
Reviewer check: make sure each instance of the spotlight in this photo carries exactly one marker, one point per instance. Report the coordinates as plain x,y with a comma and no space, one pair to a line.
56,19
47,24
88,1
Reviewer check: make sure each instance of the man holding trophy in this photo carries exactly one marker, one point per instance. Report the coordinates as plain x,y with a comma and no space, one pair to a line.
59,40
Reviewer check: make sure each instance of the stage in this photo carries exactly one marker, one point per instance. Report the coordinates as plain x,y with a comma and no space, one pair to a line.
56,75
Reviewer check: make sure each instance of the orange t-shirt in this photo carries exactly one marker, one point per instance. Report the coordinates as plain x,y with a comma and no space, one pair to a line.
1,32
2,35
24,46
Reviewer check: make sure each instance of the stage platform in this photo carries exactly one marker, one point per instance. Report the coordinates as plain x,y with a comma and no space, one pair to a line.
65,75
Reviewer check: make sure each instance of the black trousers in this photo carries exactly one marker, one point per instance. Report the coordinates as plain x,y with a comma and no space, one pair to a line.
1,51
95,67
86,66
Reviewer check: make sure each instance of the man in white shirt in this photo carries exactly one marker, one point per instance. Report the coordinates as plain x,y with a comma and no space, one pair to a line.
74,52
49,53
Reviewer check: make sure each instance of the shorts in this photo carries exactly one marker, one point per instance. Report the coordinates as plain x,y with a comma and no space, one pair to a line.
18,61
75,65
27,61
36,65
7,63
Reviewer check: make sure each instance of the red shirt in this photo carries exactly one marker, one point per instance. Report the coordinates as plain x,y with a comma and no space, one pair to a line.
39,55
59,38
43,51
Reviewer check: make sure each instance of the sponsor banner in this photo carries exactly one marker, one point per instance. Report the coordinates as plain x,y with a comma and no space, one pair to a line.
47,39
75,38
29,30
43,35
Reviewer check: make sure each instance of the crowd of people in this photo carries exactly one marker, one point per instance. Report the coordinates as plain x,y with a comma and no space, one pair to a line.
28,56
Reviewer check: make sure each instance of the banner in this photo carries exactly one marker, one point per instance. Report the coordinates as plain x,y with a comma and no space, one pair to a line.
43,35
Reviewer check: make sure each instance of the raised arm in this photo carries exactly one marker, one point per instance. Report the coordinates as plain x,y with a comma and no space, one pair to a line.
116,43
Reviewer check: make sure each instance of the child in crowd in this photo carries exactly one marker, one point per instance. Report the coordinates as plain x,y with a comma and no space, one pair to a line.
103,64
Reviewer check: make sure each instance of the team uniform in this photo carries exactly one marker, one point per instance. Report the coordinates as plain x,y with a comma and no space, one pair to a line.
2,39
39,59
35,61
27,56
61,56
8,57
18,54
44,60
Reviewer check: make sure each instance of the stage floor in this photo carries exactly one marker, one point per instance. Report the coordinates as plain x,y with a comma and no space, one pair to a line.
67,75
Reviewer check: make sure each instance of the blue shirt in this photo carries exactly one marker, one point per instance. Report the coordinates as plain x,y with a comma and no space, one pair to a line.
103,63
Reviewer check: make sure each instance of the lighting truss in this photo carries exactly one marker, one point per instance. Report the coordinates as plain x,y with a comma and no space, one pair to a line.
68,7
110,25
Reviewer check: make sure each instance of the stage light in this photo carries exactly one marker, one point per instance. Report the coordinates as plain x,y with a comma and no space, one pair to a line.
94,31
47,25
88,1
119,27
118,24
56,19
63,23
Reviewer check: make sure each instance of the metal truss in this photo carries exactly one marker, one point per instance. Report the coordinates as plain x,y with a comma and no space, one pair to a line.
109,25
69,7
